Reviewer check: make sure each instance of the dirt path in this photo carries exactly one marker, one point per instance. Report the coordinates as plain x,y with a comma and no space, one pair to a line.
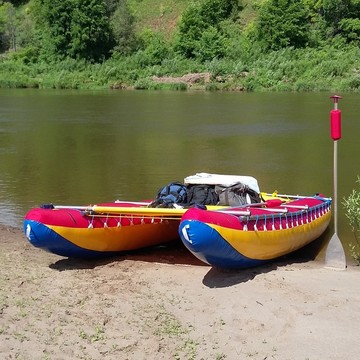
164,304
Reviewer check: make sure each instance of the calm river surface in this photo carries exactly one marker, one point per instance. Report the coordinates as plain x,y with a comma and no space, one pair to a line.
75,147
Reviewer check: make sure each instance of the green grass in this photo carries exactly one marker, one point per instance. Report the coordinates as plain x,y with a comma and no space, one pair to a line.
284,70
352,211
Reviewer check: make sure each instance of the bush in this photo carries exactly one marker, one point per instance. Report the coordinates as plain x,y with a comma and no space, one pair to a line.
154,49
283,23
200,33
352,212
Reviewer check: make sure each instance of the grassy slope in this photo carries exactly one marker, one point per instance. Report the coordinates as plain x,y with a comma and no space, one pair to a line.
158,15
163,15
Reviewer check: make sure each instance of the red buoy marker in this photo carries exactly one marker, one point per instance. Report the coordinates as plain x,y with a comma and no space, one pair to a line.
335,255
335,119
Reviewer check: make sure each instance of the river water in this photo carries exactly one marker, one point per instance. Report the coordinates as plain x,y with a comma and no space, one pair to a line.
76,147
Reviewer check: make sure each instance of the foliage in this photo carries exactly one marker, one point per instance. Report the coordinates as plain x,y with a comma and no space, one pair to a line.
8,23
350,28
211,44
352,212
18,2
285,45
342,17
326,69
283,23
53,19
334,10
75,28
200,33
111,5
26,31
154,48
25,55
123,27
91,37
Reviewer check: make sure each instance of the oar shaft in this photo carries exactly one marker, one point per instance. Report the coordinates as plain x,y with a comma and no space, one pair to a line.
236,212
74,207
89,207
137,210
248,212
287,196
293,196
301,207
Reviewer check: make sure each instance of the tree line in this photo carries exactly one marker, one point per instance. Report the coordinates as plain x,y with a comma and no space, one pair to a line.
96,31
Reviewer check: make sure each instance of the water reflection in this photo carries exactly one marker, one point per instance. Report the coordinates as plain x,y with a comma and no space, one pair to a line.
73,147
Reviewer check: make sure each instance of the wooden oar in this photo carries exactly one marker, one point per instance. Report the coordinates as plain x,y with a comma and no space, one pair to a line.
335,254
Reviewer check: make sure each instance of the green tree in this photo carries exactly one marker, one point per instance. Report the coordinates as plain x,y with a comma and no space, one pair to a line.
333,12
154,48
90,34
111,5
283,23
190,30
341,18
350,30
18,2
26,28
76,28
8,26
53,23
212,44
3,42
201,24
123,27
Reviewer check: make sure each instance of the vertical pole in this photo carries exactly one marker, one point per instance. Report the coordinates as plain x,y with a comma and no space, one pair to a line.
335,255
335,118
335,186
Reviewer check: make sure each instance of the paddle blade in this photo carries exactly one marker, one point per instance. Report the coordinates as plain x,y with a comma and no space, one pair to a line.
335,255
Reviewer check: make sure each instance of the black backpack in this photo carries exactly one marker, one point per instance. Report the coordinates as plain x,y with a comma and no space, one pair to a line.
201,195
167,196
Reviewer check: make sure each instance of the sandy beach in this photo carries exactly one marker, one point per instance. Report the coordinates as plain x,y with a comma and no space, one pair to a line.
164,304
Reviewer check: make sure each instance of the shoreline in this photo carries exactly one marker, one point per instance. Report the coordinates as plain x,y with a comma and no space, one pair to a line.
162,303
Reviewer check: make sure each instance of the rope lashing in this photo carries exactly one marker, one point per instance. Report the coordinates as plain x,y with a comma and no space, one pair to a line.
91,223
255,225
273,222
106,220
265,224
